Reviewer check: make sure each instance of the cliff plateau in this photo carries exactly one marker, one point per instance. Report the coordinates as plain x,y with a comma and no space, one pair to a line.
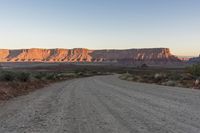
149,55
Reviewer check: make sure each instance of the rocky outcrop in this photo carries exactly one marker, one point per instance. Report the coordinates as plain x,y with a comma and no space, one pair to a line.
153,55
4,53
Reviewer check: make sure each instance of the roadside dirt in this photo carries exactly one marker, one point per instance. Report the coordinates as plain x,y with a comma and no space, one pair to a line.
10,90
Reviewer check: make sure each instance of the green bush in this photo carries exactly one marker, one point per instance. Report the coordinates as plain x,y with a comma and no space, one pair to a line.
7,76
23,76
195,70
94,72
46,76
40,75
159,77
51,76
144,66
174,76
14,76
125,76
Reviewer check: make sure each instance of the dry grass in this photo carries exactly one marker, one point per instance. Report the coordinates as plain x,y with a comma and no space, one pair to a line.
12,89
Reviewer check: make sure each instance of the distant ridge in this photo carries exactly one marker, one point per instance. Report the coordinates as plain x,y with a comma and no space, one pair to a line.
194,60
146,55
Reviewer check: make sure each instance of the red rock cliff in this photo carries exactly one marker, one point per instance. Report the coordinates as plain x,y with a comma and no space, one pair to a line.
85,55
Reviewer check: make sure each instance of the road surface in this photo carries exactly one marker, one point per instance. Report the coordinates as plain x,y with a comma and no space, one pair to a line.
103,104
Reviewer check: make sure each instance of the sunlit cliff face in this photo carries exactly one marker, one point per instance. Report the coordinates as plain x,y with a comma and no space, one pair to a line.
85,55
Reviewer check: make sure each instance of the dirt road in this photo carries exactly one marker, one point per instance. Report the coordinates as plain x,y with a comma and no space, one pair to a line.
103,104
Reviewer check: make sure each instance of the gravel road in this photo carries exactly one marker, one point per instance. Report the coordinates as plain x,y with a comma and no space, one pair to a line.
103,104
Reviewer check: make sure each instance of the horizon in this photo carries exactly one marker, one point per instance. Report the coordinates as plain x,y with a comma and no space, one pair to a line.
113,24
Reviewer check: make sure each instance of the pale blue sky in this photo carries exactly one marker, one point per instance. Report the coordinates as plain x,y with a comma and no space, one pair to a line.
98,24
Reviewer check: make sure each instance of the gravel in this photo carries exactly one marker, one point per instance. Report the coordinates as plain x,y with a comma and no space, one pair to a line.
103,104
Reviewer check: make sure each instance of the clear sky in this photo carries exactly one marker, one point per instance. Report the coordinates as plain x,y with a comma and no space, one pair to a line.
98,24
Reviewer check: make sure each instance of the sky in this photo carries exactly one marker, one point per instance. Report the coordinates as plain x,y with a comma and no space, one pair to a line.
101,24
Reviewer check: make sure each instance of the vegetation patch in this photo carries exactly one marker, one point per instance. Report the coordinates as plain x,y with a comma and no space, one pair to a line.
188,77
16,83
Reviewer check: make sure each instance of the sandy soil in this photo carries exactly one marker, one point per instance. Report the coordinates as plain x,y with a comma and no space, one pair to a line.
103,104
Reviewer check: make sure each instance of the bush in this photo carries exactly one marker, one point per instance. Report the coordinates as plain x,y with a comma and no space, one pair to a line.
159,76
23,76
94,72
40,75
7,76
125,76
51,76
174,76
46,76
144,66
195,70
170,83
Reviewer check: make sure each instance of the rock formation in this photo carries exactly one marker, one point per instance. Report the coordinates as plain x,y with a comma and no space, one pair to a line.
152,55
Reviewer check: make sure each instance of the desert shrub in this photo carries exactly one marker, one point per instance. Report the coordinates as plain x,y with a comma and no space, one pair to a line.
94,72
174,76
125,76
169,83
159,76
144,66
147,78
51,76
7,76
40,75
23,76
195,70
80,74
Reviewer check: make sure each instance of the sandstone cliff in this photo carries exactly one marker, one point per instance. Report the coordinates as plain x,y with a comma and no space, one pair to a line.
85,55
